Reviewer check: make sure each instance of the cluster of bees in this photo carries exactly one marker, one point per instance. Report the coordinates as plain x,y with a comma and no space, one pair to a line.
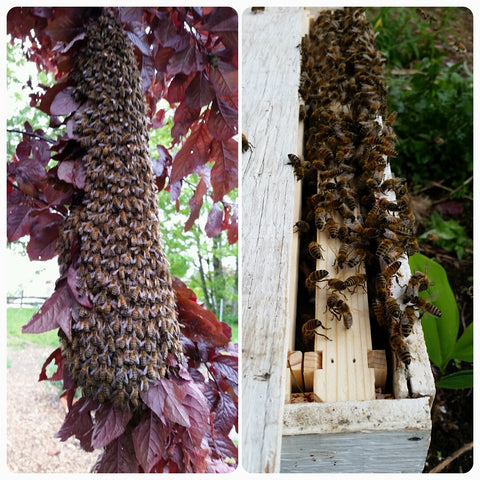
130,336
349,137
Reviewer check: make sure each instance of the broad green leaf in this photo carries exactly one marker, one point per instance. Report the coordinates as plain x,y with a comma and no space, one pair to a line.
440,333
464,346
460,379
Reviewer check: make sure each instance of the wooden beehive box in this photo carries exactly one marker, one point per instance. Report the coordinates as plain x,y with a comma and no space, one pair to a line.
322,410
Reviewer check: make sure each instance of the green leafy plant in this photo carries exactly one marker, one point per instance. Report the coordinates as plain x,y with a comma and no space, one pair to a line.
405,35
433,98
448,234
441,333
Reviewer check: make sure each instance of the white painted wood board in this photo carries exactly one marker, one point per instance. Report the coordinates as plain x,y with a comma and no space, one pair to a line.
270,109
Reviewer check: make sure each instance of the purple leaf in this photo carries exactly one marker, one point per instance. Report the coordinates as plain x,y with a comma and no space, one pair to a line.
118,457
55,312
78,422
187,61
110,423
225,413
63,103
165,399
224,173
149,440
222,120
44,231
18,215
214,221
72,171
58,374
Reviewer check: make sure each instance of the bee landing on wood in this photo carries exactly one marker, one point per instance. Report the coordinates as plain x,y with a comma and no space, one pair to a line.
299,165
246,145
309,330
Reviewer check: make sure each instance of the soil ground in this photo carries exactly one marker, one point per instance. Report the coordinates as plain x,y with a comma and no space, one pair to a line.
34,415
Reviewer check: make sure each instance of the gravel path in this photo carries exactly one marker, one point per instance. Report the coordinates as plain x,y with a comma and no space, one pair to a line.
34,415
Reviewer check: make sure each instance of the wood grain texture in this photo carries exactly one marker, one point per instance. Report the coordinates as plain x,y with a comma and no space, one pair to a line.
270,77
383,436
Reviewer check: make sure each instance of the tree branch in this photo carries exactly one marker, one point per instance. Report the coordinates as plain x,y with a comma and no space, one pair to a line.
451,458
31,134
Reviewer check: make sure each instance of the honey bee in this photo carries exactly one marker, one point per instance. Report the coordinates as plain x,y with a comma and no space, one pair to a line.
347,198
384,247
401,229
345,212
426,16
355,281
119,398
391,269
320,220
332,227
309,330
381,286
411,246
336,285
392,308
314,277
459,47
332,301
299,165
151,372
418,283
341,257
315,250
301,227
378,308
426,306
394,254
246,145
400,348
396,185
400,205
326,174
355,257
407,321
364,232
122,303
343,311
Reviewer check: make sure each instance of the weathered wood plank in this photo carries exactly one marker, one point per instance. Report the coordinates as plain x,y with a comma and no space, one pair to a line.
371,436
270,76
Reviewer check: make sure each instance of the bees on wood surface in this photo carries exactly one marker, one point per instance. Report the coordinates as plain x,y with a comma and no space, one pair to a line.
391,269
301,227
407,321
418,283
340,310
314,277
315,250
309,330
332,227
355,281
392,308
400,348
246,145
378,308
299,165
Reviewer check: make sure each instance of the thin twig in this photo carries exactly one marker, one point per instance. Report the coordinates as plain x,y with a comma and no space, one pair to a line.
31,134
451,458
452,192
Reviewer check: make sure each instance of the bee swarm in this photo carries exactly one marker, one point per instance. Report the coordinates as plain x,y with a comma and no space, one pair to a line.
130,337
356,229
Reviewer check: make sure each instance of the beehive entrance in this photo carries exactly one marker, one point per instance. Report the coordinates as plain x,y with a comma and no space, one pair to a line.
348,139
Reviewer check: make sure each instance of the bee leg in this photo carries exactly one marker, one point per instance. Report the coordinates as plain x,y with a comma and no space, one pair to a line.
322,335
